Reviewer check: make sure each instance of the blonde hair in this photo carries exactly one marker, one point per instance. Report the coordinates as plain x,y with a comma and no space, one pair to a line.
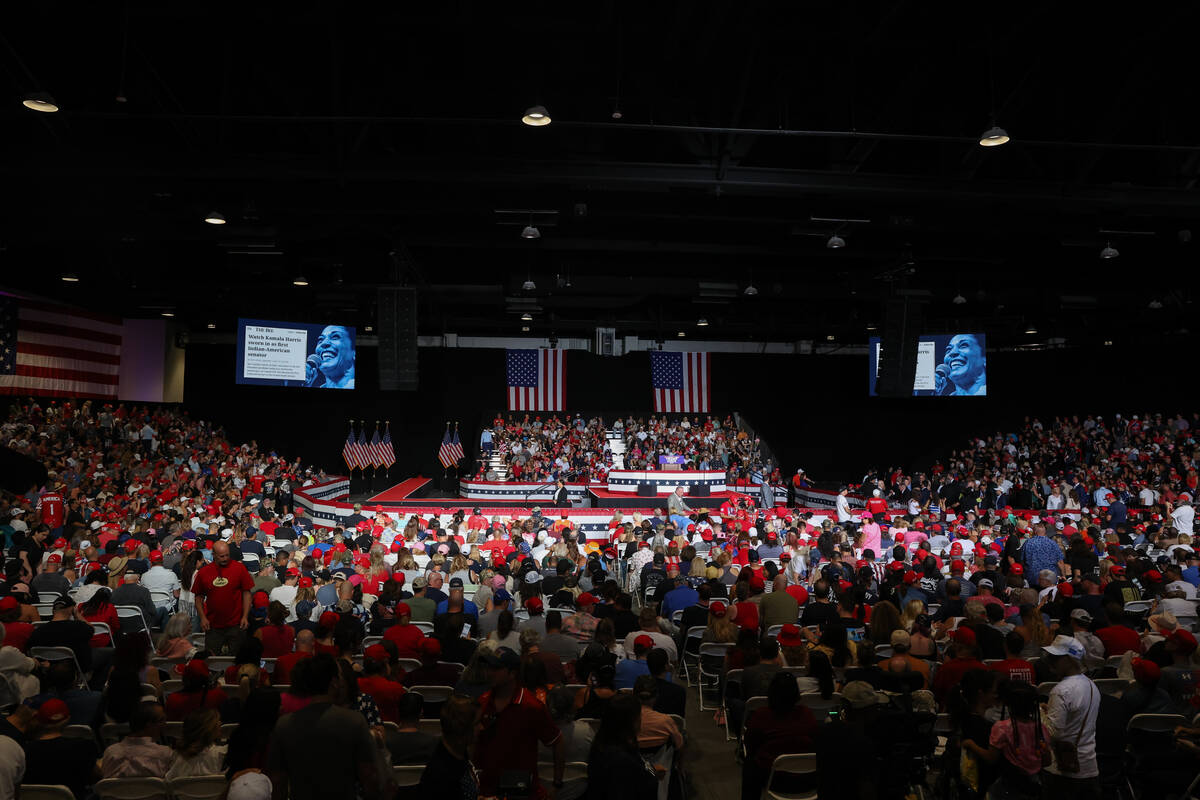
912,609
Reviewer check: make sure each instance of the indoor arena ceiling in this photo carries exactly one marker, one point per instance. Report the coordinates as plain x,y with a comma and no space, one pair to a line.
696,149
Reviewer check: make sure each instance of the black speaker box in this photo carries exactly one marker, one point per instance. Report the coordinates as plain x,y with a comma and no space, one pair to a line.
699,491
397,324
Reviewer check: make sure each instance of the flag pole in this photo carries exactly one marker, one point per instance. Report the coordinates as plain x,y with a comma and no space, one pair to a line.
387,431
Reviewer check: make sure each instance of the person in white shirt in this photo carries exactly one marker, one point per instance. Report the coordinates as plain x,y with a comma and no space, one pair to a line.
12,766
1176,583
1055,501
1071,718
1184,515
161,581
1148,496
843,506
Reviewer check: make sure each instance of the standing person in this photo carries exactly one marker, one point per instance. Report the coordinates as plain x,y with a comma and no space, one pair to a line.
449,773
616,769
222,591
1071,717
513,722
293,770
843,506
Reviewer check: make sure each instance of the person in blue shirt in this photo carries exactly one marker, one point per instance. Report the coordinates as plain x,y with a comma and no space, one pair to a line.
456,590
1039,552
1191,573
679,598
1118,514
631,668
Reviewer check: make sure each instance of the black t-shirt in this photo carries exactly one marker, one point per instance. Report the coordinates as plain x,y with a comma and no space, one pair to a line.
32,550
817,614
447,777
620,775
65,761
66,633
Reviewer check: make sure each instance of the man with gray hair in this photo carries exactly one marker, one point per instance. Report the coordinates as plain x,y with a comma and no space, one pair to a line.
1047,583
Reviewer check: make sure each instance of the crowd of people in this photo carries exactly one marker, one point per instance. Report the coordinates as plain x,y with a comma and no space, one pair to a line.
1070,464
225,634
537,450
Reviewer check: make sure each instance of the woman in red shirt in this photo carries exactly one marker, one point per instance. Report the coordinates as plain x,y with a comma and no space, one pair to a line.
100,609
277,637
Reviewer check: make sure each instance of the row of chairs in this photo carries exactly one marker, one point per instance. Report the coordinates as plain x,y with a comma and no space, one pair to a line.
201,787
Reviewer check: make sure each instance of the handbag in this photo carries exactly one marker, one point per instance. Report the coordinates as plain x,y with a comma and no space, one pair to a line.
1066,752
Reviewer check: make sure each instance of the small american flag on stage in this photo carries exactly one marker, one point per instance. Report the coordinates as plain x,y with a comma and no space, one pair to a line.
361,452
348,451
389,453
451,452
680,381
57,351
535,380
375,448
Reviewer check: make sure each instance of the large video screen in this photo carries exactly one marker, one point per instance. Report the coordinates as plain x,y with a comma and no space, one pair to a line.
295,354
947,365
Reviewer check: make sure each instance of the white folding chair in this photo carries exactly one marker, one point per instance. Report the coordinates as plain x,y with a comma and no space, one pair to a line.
102,629
409,664
41,791
134,621
407,775
370,640
433,727
733,683
198,787
45,610
425,627
1137,607
1155,723
795,764
773,631
1111,686
690,659
111,732
61,654
710,654
132,789
752,704
79,732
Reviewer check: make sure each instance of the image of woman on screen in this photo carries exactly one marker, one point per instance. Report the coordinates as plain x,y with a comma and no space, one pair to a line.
967,365
334,359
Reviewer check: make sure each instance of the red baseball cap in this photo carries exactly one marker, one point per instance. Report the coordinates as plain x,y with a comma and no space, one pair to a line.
8,604
956,549
586,599
304,582
431,647
156,556
329,619
643,641
403,610
54,558
789,636
534,604
963,635
717,608
957,565
1017,569
377,652
53,712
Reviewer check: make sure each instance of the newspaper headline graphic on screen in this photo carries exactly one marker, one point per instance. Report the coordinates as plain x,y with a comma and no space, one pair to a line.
295,354
947,365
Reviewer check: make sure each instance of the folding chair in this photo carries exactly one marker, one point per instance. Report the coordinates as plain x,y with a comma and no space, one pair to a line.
433,697
409,664
132,619
796,764
41,791
1137,607
78,732
574,777
172,730
132,789
198,787
370,640
102,629
45,610
710,666
425,627
821,706
433,727
733,689
1111,686
111,732
591,722
752,705
61,654
407,775
773,631
1155,723
689,658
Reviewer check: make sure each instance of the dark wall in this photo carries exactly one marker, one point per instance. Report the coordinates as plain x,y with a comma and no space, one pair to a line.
812,410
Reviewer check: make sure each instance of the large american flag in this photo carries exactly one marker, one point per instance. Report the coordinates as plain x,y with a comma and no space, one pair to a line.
451,451
362,452
348,454
535,380
680,381
57,351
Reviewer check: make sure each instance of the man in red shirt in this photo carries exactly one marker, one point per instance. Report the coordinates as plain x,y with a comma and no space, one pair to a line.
408,637
1013,666
1117,636
223,589
376,682
513,722
53,510
965,658
282,676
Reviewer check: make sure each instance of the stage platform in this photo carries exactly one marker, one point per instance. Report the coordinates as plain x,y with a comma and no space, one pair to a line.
401,491
603,498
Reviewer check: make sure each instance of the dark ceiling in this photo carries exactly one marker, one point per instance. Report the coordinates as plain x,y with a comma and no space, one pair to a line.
362,149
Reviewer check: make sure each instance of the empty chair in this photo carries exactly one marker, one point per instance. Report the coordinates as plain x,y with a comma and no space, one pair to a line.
1112,686
1155,723
752,704
132,789
198,787
711,666
41,791
733,690
1137,607
795,764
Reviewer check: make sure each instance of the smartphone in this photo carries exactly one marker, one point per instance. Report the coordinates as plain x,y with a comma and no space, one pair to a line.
466,634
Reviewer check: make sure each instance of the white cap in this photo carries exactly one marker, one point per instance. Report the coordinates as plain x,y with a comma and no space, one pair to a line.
250,786
226,533
1065,646
96,524
85,544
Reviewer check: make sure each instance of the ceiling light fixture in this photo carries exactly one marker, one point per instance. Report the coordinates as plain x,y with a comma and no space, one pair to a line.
1108,342
1109,252
69,277
1031,331
993,137
872,327
369,328
300,280
525,329
531,232
215,218
1156,304
536,116
751,290
959,300
527,317
835,242
40,101
829,337
168,313
212,326
528,285
681,334
702,323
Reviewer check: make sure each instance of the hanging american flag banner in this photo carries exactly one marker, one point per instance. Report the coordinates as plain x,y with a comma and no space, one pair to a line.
57,351
535,380
680,381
